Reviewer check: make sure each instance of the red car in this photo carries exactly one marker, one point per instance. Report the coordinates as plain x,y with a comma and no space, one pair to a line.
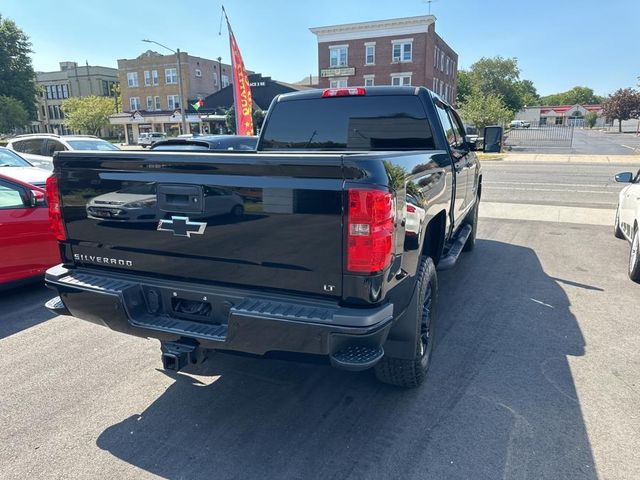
27,243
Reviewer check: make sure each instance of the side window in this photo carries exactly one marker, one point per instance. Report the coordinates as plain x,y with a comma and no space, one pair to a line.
18,146
32,146
446,124
54,146
12,196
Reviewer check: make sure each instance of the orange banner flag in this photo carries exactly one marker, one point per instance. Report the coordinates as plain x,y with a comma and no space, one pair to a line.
243,101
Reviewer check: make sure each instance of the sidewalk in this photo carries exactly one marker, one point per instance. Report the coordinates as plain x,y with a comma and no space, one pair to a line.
561,158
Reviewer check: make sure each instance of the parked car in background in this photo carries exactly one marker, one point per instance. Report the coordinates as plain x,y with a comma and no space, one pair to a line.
149,139
27,243
210,142
14,166
38,148
627,221
519,124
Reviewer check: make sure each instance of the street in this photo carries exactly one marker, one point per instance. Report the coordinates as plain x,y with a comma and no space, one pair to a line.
535,374
584,142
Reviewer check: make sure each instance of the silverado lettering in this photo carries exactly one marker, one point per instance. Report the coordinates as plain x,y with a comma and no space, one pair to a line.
324,240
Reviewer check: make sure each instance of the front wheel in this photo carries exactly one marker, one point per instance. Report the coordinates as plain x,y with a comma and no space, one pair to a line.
634,257
411,372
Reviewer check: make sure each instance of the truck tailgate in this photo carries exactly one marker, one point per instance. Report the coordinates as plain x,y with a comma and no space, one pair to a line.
256,220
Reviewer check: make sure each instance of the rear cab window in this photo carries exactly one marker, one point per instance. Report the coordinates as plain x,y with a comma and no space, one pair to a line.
383,122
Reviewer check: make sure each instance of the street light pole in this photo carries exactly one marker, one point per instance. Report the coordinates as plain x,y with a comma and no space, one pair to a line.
183,111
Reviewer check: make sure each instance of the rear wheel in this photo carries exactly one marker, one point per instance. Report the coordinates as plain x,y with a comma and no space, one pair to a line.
634,257
411,372
617,231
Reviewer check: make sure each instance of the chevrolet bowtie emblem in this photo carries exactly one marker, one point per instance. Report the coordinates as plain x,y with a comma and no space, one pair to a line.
181,226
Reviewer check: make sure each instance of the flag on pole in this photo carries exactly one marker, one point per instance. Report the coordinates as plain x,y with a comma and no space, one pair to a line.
243,101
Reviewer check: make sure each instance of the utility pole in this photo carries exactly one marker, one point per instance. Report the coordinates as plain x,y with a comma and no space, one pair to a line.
183,110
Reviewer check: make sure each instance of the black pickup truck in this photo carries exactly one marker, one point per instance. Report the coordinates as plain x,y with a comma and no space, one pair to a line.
324,241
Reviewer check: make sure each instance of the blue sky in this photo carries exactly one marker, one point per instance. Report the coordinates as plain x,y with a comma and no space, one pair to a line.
559,43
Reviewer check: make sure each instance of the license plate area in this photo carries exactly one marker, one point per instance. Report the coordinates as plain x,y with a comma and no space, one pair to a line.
193,306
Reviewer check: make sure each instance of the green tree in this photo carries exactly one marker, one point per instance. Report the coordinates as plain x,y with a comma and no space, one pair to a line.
623,104
590,119
230,120
258,118
116,93
483,110
88,114
500,77
17,78
577,95
464,86
12,114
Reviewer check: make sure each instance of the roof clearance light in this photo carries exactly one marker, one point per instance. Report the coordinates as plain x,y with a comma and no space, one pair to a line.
343,92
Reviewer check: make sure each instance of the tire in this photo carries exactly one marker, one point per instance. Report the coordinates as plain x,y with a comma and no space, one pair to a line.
617,231
237,211
634,257
472,219
409,373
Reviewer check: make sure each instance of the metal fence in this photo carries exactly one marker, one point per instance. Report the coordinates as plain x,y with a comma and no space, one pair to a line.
539,136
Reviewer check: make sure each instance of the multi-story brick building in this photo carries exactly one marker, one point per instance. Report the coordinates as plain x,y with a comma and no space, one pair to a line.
401,51
70,81
151,94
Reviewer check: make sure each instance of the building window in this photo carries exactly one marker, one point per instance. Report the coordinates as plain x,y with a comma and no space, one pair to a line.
65,91
171,76
132,79
225,81
338,56
154,76
441,88
173,102
436,55
147,78
398,79
149,103
434,87
369,80
402,51
198,72
441,61
134,103
370,55
338,83
157,102
558,120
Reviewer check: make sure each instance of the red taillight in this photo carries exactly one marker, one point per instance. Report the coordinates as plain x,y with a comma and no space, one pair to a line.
369,230
411,209
343,92
55,210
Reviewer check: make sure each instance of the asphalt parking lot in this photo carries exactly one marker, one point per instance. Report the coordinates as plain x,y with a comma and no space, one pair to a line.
536,375
582,142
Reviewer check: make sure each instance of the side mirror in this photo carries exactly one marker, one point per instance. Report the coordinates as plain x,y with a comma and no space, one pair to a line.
36,198
492,139
624,177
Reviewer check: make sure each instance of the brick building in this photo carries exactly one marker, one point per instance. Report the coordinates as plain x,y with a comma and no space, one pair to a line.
401,51
151,94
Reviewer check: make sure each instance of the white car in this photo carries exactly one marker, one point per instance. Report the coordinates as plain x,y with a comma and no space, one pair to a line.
38,148
16,167
148,139
627,221
520,124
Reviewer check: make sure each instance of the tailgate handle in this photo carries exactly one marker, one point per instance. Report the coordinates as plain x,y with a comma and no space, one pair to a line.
180,198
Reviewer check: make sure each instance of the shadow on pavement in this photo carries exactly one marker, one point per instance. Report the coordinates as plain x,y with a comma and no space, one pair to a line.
499,402
23,307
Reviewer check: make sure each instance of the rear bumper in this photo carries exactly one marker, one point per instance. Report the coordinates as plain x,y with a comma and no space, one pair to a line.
237,320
